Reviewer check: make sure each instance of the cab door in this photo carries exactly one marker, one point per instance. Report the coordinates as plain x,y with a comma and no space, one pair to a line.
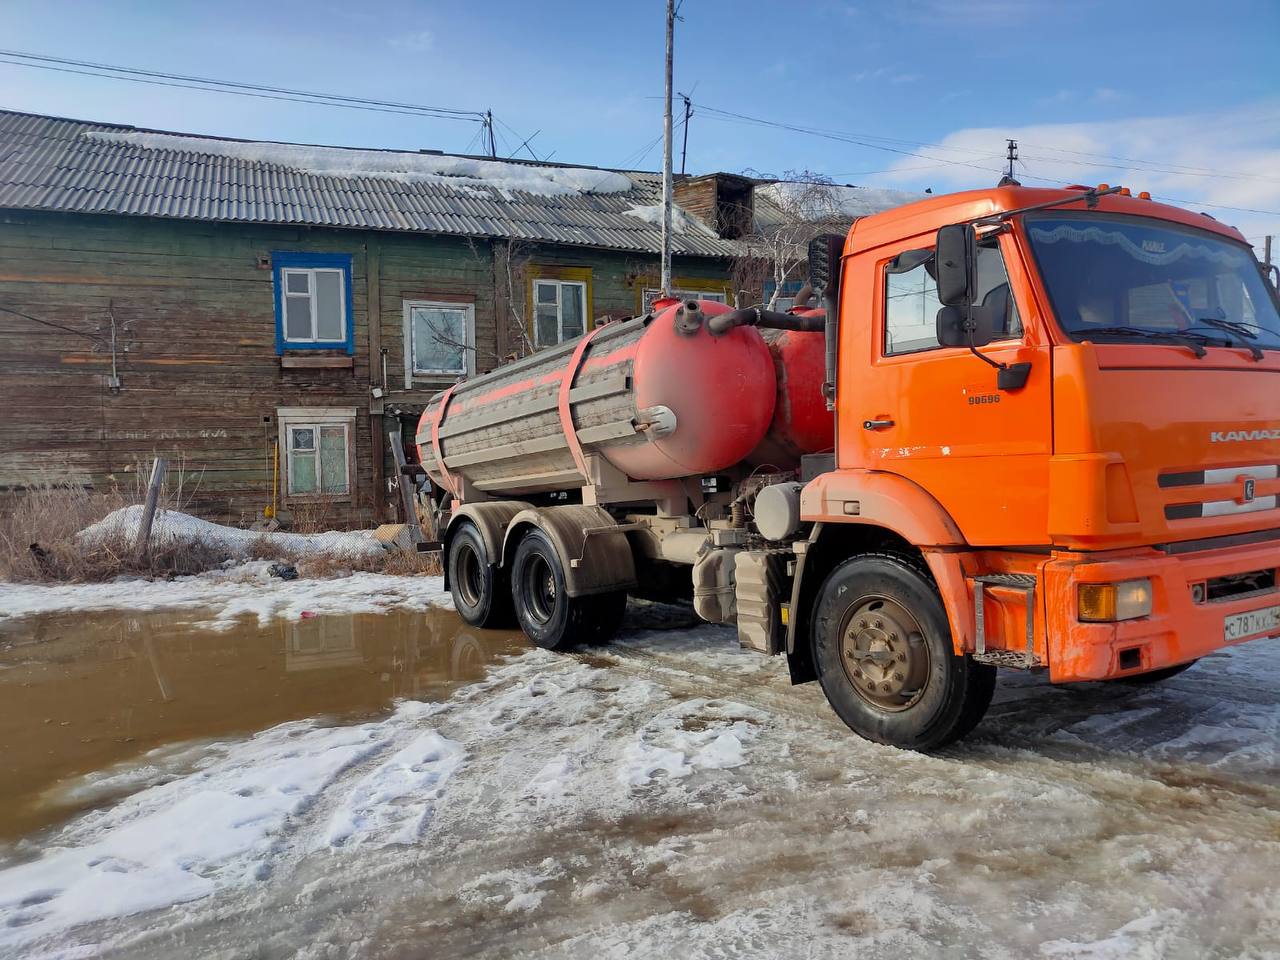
935,415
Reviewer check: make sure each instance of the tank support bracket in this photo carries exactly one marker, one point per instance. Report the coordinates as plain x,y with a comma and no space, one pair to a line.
564,402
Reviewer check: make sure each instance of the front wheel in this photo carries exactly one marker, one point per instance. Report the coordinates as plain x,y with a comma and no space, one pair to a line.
548,615
883,651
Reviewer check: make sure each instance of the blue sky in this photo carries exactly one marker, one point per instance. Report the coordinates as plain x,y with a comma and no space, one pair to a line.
1180,98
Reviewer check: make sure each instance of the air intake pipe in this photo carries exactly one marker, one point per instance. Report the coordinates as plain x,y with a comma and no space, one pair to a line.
769,319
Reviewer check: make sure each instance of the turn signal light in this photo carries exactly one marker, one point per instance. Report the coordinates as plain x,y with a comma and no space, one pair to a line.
1109,602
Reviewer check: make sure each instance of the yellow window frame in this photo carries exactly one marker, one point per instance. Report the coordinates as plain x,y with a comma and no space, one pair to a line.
704,284
550,271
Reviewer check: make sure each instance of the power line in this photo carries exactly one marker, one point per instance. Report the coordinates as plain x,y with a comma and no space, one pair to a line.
211,85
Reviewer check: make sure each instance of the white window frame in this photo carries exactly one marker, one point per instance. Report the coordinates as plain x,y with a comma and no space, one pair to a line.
469,365
651,294
310,297
292,418
559,285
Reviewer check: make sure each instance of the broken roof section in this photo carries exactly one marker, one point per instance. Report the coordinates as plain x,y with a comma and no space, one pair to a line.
49,163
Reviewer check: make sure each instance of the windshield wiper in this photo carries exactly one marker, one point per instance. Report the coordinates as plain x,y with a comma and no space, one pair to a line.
1193,341
1237,329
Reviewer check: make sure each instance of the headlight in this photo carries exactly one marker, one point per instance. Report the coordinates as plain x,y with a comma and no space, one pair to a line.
1108,602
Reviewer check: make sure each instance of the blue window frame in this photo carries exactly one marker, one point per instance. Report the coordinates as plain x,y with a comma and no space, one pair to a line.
313,301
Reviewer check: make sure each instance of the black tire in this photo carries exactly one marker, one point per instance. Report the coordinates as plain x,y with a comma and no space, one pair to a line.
1155,676
479,587
547,614
883,651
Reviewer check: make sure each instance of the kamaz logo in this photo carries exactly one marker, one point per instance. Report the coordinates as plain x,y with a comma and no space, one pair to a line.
1239,436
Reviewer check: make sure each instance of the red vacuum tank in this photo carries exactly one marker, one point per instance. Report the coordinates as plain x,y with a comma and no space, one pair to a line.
801,421
658,397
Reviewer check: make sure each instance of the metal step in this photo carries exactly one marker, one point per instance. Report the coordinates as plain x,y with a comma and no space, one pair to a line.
1022,659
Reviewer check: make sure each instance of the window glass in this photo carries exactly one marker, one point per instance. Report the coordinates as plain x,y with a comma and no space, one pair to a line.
910,311
1117,277
333,459
329,305
297,318
296,281
302,472
571,309
304,438
439,340
912,305
547,292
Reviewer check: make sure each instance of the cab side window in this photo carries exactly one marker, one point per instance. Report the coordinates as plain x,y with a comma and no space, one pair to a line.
911,302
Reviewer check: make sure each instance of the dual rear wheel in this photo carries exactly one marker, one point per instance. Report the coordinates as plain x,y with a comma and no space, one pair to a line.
531,593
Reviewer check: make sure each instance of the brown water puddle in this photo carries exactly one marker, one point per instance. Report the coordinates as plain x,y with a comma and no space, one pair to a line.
79,692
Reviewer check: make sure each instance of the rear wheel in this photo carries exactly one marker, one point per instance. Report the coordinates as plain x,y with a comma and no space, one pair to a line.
479,589
547,614
883,651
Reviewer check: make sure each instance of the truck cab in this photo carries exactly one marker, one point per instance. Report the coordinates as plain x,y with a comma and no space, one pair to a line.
1059,411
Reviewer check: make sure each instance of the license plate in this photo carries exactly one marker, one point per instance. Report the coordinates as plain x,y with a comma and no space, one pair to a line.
1244,625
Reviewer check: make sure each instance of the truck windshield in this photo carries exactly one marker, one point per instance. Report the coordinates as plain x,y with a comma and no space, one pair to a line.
1122,278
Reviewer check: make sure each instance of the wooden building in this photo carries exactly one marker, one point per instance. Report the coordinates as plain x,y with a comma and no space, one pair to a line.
263,313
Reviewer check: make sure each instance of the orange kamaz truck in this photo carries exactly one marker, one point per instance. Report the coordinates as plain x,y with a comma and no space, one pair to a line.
1011,428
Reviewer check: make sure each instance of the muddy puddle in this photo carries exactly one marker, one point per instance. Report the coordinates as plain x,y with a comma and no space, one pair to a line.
84,691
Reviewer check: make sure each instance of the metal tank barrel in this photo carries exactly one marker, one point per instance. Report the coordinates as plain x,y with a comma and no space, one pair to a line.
659,397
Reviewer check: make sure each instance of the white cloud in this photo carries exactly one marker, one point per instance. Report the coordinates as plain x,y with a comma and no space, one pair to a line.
1229,159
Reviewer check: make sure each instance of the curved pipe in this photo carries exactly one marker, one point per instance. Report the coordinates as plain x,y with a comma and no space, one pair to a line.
771,319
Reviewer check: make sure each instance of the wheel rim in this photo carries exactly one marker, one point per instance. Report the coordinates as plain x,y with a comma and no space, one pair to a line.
884,654
539,588
468,574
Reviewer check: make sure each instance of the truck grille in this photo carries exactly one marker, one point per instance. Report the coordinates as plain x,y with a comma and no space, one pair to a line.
1235,490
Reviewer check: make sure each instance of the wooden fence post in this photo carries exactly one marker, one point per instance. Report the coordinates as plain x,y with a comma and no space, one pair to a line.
158,467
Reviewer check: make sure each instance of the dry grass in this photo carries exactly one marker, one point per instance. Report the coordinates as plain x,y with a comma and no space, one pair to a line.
38,541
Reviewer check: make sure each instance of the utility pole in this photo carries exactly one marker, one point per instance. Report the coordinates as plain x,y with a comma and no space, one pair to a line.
1266,250
488,123
684,149
666,156
1009,180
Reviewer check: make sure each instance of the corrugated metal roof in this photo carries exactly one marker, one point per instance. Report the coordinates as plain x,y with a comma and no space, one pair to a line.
50,163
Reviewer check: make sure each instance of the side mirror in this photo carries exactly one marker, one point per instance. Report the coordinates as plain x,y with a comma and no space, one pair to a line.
955,264
965,326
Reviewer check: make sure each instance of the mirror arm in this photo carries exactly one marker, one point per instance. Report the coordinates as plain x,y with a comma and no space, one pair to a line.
973,348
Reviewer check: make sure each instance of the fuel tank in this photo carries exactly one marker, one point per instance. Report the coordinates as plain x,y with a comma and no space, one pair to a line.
659,397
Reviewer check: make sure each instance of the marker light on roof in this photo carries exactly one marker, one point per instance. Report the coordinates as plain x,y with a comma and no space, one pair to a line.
1144,195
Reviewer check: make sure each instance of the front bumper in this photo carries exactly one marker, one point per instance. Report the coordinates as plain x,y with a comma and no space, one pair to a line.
1178,630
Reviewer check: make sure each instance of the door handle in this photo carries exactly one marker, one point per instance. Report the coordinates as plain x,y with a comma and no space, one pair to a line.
876,424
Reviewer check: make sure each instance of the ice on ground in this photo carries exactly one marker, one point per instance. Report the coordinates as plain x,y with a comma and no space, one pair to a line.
393,803
694,735
246,589
174,527
672,795
458,172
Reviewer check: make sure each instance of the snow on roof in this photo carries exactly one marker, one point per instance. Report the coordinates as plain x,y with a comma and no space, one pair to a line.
845,201
681,222
507,178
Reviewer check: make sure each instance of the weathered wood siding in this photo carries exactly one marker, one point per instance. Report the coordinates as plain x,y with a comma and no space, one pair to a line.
195,317
196,352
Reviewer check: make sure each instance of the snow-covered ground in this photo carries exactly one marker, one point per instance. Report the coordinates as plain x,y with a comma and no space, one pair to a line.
672,796
244,589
